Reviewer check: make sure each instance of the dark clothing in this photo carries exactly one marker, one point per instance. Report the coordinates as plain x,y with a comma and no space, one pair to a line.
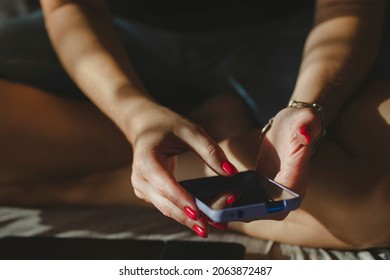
207,15
185,51
181,70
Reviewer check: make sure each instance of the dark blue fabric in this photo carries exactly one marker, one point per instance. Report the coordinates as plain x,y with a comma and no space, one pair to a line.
180,69
26,56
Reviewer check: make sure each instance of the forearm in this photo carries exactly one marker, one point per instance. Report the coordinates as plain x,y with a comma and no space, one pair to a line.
86,42
339,52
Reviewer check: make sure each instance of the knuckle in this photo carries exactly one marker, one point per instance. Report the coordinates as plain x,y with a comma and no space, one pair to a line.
176,199
140,162
165,209
184,220
138,186
188,129
139,194
198,129
161,188
212,150
135,179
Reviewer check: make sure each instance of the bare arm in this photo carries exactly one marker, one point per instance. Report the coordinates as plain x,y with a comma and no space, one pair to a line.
86,42
339,52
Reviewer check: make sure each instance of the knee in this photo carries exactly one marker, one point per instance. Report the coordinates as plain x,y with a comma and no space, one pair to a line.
351,202
366,223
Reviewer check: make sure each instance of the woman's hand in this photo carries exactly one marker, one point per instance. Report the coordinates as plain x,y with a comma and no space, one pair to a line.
286,148
158,135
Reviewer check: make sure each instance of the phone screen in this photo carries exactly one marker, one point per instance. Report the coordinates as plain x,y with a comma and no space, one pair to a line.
250,188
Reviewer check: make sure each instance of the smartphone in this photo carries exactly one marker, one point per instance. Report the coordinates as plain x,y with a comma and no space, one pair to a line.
258,197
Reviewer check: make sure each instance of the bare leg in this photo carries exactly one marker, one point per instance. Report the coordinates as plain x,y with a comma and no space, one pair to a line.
347,201
57,151
46,137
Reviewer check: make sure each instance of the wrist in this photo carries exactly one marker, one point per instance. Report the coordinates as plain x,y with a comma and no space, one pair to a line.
126,109
315,107
301,119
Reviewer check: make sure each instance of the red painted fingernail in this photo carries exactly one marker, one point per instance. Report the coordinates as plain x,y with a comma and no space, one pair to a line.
305,131
232,198
191,213
229,168
200,231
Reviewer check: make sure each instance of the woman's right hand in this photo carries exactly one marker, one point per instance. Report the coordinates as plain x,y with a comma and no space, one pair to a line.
100,67
157,136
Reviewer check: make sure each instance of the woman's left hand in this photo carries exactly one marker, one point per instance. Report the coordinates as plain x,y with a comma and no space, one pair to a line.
286,147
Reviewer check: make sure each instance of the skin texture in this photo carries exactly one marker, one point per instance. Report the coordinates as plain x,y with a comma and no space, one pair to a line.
124,131
155,133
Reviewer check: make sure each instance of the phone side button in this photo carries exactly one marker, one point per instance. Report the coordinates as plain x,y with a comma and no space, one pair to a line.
275,206
240,214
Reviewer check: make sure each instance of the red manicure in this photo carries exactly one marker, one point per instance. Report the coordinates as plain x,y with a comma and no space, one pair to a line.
229,168
191,213
305,131
200,231
232,198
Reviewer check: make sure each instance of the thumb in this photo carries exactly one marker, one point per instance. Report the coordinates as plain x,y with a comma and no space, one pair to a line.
294,169
308,130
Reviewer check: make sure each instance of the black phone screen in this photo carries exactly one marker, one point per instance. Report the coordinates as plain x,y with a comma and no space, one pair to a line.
251,188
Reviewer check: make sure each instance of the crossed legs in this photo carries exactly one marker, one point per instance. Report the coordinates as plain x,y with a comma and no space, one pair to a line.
347,200
60,151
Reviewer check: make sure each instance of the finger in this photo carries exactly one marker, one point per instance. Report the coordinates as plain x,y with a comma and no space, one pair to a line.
220,226
308,129
294,169
140,195
294,163
211,153
264,166
170,210
225,200
137,183
165,184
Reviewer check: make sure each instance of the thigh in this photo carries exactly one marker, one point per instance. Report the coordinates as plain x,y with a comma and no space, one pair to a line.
346,204
349,189
44,136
